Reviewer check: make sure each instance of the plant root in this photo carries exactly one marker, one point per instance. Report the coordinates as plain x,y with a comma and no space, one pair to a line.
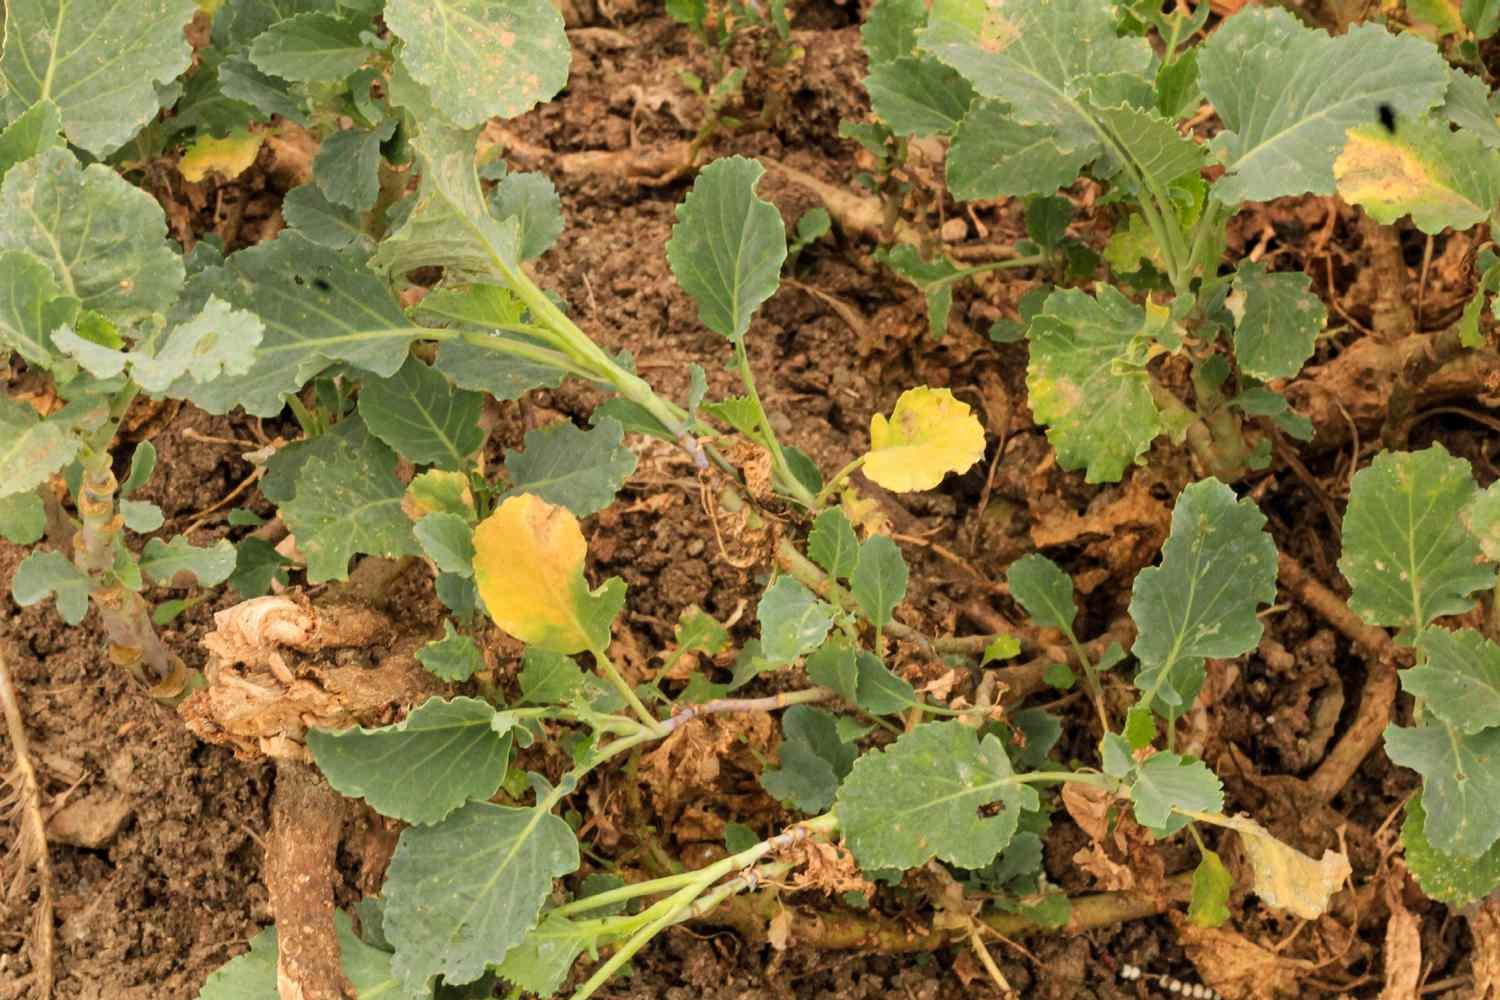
1381,656
29,852
855,214
307,818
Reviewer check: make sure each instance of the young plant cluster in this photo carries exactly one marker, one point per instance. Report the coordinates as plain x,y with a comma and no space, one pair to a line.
407,205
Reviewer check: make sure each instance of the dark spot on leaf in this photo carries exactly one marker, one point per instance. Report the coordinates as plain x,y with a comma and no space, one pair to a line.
1387,117
321,285
297,278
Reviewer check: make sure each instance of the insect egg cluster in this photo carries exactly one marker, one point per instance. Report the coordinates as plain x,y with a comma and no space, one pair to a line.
1131,973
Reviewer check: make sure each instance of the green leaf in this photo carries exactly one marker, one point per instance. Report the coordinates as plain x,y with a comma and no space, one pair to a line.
1002,647
449,225
208,566
1164,782
105,240
97,60
27,286
1287,94
482,58
1217,565
280,481
1482,518
549,678
890,29
23,518
1468,107
832,543
1044,590
1445,877
540,963
1424,169
532,201
442,755
461,894
1153,148
835,666
448,540
1406,555
879,691
792,621
219,341
439,492
581,470
454,657
141,517
347,167
921,797
318,306
50,574
918,96
878,582
328,225
935,279
256,565
31,449
39,127
1461,783
346,504
1088,383
813,760
728,245
484,368
241,80
419,414
1209,906
1481,16
1277,321
311,47
994,156
252,976
1459,678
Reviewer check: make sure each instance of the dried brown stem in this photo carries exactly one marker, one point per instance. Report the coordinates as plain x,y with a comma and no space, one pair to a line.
307,817
1378,697
29,852
751,914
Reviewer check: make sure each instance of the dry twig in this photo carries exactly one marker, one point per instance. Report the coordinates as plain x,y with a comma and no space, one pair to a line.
29,851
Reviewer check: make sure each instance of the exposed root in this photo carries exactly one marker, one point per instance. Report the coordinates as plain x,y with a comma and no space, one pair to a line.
307,817
857,214
23,804
1381,656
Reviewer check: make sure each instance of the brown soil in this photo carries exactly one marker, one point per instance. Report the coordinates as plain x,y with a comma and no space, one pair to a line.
170,884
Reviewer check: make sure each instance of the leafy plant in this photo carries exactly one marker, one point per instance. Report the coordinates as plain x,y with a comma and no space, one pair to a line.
1033,99
385,321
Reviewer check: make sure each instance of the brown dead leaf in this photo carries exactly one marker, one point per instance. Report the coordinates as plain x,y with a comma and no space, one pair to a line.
689,761
1239,968
1109,874
828,868
1484,927
1089,807
1403,949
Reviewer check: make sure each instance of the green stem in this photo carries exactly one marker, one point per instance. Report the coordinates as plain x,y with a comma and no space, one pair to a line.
789,482
836,483
1009,263
613,675
1090,676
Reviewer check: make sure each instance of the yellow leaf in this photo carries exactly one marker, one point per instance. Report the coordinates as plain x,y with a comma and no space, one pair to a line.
528,564
929,434
1439,177
1285,878
228,157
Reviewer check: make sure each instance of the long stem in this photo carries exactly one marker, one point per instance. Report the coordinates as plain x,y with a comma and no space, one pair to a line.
835,484
789,482
613,675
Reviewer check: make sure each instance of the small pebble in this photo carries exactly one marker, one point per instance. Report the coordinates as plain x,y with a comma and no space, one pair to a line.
955,230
